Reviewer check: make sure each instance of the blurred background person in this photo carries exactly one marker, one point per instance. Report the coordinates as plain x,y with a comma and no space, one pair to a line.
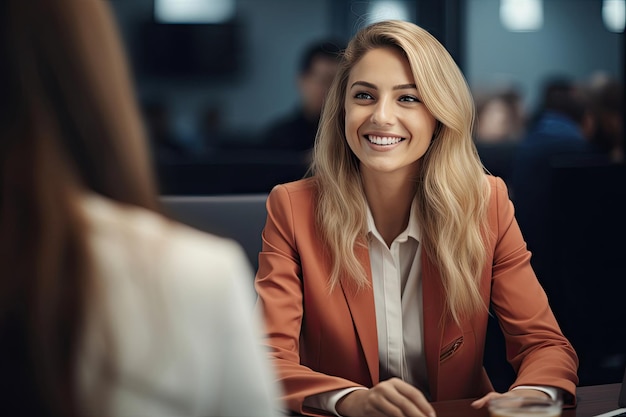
106,307
500,123
606,107
296,131
557,134
500,116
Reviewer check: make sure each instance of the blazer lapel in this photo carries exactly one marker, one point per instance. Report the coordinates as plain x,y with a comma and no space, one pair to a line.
362,310
433,302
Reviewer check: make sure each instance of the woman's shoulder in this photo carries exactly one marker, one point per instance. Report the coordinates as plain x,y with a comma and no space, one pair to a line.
300,195
495,183
500,211
125,234
498,190
108,216
303,187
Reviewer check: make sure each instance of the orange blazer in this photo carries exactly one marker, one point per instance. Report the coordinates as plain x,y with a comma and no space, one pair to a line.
320,340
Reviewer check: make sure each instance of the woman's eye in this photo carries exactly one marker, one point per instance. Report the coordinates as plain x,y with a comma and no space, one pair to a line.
363,96
410,99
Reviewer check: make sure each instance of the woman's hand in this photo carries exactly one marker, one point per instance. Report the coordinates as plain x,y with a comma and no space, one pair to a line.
482,402
390,398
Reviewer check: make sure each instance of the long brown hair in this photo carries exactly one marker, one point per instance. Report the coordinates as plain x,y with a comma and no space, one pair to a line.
69,122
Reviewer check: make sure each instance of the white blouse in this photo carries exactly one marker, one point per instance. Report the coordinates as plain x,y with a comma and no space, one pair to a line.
397,285
175,313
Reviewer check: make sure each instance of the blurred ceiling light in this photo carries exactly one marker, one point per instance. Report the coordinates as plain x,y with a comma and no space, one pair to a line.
521,15
614,14
194,11
387,10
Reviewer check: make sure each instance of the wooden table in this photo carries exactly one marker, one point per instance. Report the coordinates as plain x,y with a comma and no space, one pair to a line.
595,400
592,400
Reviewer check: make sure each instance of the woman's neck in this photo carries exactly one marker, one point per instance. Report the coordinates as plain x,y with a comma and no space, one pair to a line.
389,200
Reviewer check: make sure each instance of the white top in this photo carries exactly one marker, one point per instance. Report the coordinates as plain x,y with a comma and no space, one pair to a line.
397,285
177,306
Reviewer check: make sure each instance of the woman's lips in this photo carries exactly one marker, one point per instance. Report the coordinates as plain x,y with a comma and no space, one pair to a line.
384,140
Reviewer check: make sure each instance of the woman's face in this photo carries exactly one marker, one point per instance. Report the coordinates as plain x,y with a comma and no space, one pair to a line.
387,127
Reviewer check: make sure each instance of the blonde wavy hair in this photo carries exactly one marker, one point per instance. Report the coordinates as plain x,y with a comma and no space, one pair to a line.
451,191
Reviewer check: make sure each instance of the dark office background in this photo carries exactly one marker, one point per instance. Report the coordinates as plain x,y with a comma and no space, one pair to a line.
256,83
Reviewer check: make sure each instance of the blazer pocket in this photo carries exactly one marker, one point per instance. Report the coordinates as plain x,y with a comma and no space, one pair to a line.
450,349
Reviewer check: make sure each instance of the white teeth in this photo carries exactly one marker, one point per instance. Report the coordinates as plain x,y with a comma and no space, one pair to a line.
383,140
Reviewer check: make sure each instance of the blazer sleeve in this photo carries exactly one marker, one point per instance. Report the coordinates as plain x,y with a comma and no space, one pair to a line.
535,345
279,284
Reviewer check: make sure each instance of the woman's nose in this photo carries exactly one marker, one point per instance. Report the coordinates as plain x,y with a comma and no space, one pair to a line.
382,113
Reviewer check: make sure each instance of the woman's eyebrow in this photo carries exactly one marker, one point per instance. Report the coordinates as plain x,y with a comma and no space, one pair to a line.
372,86
363,84
405,87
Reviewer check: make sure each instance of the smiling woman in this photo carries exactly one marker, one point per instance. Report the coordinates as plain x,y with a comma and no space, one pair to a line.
384,114
377,272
